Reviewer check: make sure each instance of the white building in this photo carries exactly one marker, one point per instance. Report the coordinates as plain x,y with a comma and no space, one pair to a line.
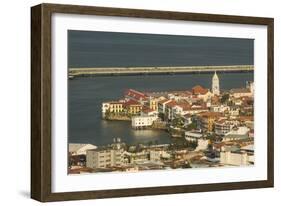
143,121
236,158
105,107
216,84
219,108
241,92
234,111
224,126
205,97
250,86
162,105
193,136
202,144
156,155
236,134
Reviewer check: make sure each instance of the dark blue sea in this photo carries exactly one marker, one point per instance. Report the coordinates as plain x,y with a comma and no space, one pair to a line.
85,95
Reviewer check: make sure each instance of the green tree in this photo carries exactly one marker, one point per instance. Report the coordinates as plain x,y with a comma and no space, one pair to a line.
224,98
191,126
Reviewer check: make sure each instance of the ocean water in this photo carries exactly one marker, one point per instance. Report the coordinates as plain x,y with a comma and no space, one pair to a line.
86,94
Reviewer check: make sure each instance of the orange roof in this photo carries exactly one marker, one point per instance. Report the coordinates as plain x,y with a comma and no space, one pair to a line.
135,94
146,110
210,114
131,102
199,90
185,106
197,108
163,101
171,103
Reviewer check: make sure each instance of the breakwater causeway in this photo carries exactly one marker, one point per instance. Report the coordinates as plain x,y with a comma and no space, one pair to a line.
107,71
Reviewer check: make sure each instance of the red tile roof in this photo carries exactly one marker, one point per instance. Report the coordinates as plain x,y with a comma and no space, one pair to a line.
147,110
199,90
135,94
210,114
171,103
163,101
131,102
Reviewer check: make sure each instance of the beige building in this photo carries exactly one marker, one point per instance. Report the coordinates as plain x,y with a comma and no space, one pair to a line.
241,92
243,157
103,158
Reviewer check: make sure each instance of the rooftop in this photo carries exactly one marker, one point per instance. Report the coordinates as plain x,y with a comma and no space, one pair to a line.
240,90
199,90
131,102
135,94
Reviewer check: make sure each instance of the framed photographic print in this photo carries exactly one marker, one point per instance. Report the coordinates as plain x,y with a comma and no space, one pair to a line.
132,102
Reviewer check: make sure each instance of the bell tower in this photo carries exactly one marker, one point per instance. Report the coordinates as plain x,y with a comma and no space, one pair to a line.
216,84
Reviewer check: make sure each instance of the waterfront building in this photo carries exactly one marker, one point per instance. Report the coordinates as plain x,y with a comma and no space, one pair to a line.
105,107
112,107
135,95
215,85
132,107
139,122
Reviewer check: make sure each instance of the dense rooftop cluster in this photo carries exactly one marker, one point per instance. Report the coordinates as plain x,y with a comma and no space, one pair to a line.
208,127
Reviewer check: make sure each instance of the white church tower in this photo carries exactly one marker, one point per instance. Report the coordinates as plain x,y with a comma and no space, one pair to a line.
216,84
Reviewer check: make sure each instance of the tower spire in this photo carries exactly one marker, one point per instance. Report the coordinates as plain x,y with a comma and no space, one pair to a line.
215,84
